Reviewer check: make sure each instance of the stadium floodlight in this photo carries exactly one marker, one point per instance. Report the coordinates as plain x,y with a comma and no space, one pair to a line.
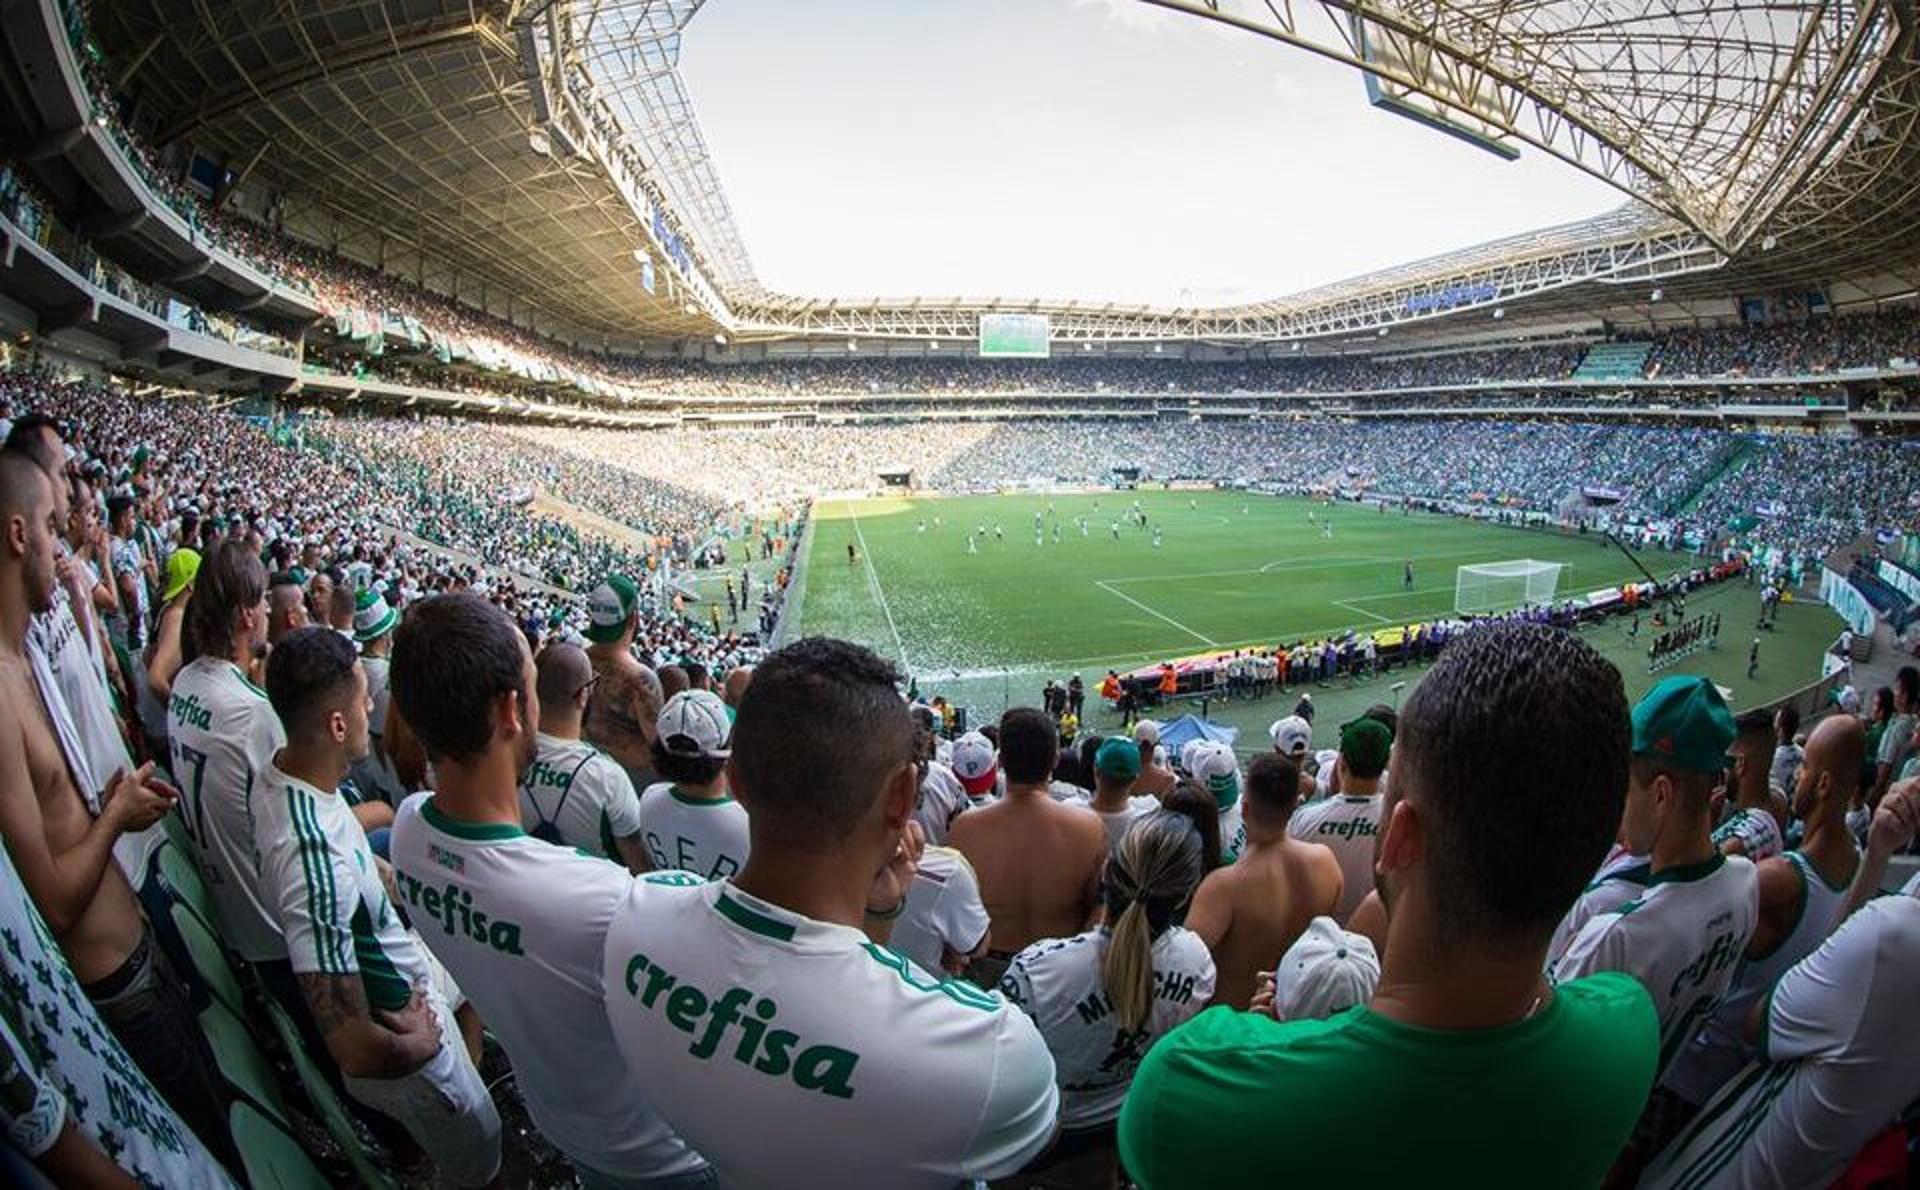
1499,312
538,142
853,345
933,344
719,338
1657,295
1489,587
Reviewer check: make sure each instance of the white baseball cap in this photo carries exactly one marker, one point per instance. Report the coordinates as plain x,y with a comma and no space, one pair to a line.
695,723
1188,752
1326,970
1146,732
1216,767
1292,736
975,763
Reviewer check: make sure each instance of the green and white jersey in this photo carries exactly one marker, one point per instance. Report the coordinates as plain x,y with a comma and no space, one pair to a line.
1758,832
483,898
577,795
1840,1061
688,834
1347,824
798,1053
1622,877
317,872
1233,832
1059,984
1681,939
1720,1049
60,1065
943,911
222,735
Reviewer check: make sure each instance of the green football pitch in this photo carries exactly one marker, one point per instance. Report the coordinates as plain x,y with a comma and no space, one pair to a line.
1232,570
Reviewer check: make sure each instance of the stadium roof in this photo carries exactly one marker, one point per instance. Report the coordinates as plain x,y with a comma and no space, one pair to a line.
549,147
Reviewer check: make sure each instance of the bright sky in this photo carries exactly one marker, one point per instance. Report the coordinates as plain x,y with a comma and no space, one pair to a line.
1094,149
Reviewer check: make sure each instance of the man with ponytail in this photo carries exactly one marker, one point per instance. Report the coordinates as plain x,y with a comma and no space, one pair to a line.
1101,998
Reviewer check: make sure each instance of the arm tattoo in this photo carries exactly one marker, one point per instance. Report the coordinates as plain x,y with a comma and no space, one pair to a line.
335,1000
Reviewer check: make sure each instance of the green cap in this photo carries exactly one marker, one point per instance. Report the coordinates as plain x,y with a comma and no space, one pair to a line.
1117,757
372,617
609,606
1366,743
1684,722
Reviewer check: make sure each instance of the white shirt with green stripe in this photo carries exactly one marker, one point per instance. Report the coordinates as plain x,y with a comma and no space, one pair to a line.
1839,1061
483,898
221,735
707,837
318,874
1682,939
581,794
801,1054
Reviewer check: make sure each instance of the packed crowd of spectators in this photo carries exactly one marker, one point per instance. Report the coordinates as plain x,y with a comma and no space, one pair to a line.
1799,348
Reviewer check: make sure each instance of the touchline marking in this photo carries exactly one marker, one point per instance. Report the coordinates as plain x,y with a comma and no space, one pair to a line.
1205,640
880,592
1361,611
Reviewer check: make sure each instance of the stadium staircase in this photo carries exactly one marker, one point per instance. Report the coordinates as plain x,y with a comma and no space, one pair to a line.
1614,361
1733,457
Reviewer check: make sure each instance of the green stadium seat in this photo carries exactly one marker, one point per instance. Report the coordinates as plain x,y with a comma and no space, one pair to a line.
209,960
273,1159
334,1114
241,1063
183,877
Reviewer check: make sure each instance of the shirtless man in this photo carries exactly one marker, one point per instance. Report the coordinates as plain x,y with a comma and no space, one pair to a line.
627,696
1038,860
1248,913
65,855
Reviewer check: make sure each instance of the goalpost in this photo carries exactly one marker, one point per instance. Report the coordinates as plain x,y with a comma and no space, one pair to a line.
1502,586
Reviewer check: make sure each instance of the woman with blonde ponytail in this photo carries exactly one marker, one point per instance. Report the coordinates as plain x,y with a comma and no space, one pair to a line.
1101,998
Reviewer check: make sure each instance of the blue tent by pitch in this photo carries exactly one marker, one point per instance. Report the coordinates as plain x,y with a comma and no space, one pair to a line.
1178,734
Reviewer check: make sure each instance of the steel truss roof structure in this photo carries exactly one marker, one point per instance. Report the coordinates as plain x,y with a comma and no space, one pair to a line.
548,147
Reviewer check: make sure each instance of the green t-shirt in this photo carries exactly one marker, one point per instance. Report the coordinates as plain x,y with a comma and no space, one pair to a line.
1360,1100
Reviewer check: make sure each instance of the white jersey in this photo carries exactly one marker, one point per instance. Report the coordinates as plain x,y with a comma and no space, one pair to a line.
61,1067
1117,821
781,1037
1233,832
1757,830
1680,939
222,735
575,794
1059,983
687,834
482,897
1720,1049
319,875
943,913
1622,877
1840,1061
941,801
1347,824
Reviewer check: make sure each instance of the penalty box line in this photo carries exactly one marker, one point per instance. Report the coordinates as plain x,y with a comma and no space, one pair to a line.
1163,618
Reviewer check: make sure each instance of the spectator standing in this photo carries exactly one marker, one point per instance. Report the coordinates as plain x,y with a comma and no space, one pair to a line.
573,794
689,821
1249,912
1103,997
1491,1075
1757,823
462,676
708,983
1349,822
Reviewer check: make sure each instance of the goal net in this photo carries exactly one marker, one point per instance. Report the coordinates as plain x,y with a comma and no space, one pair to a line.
1503,586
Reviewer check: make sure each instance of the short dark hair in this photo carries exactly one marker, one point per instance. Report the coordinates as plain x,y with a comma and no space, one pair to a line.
1029,744
1753,723
230,580
453,657
1789,719
1273,787
1380,712
26,437
818,730
1517,742
305,672
684,770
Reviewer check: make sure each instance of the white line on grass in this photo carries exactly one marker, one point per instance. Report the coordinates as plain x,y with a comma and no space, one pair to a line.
880,592
1360,610
1205,640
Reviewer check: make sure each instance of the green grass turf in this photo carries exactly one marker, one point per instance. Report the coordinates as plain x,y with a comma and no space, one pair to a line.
1233,571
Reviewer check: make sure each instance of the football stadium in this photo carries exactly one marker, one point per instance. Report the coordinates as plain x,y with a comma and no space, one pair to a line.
586,586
